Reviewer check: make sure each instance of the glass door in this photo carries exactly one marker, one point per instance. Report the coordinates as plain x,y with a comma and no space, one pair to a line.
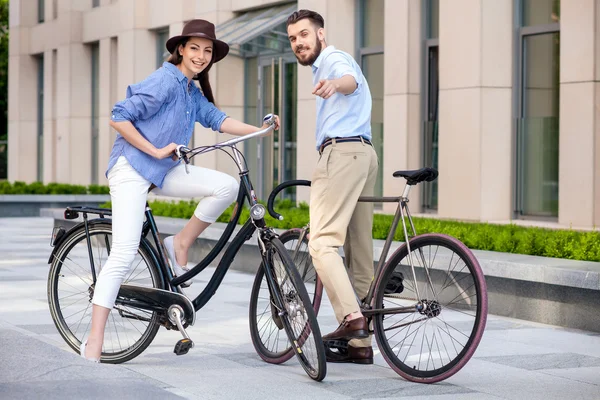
276,154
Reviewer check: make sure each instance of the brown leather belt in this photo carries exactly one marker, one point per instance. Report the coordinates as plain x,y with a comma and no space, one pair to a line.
343,140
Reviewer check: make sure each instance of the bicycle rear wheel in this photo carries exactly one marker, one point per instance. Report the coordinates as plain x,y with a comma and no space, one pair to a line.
297,314
129,331
448,294
266,328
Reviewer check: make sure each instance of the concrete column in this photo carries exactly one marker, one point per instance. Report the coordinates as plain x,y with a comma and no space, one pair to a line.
475,142
579,164
49,142
402,77
339,16
73,116
105,133
22,94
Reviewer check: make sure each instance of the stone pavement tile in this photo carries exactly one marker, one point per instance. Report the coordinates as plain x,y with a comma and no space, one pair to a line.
453,396
192,360
240,383
33,369
534,362
386,388
80,389
489,347
568,340
516,383
40,329
346,372
585,374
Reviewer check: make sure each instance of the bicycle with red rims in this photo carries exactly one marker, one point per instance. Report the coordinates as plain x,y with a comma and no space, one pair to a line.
427,306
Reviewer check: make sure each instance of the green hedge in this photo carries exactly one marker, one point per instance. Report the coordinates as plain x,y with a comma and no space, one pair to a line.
511,238
18,187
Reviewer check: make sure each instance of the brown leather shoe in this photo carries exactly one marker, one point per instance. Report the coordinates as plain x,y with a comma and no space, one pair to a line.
354,329
356,355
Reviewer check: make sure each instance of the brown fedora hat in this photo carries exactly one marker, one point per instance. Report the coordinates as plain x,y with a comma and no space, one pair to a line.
203,29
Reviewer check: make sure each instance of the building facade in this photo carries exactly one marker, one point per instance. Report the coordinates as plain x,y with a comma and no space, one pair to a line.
499,95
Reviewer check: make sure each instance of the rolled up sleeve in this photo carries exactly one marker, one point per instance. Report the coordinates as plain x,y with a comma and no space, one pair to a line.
207,114
143,100
341,67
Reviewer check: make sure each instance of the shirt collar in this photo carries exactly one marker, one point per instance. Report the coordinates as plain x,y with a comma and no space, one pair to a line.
324,53
175,71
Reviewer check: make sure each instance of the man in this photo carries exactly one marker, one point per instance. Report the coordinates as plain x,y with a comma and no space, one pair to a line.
347,169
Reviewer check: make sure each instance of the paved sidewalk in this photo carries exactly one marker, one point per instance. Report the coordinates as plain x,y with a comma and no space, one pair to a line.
515,360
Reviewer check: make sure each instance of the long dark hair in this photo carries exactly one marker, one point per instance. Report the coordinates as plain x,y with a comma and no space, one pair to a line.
175,58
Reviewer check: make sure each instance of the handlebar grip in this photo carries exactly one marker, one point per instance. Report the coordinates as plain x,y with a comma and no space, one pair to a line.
279,188
269,119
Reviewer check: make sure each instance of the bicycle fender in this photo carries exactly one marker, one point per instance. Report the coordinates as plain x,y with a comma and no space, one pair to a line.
68,233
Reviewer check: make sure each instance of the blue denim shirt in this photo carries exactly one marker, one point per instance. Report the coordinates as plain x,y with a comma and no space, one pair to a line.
341,115
163,111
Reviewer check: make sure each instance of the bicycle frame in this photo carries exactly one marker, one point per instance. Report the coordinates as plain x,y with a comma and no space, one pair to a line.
254,222
402,212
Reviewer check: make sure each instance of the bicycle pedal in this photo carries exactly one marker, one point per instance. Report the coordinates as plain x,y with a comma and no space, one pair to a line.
183,346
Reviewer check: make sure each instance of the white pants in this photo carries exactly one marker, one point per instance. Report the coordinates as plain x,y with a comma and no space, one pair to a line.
129,191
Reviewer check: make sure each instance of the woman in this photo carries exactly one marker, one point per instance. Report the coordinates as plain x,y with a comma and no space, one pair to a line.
158,114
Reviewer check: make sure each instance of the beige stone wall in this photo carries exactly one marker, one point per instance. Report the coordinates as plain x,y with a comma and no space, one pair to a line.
476,121
475,144
579,168
402,97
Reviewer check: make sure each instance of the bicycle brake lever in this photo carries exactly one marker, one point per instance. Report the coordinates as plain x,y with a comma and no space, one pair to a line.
181,151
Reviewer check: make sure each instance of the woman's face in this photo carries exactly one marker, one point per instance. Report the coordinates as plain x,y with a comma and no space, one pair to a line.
197,54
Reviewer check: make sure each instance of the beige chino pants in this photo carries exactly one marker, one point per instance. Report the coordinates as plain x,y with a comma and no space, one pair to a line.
345,171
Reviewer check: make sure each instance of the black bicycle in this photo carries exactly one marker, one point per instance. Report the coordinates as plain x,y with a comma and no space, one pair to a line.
427,305
151,296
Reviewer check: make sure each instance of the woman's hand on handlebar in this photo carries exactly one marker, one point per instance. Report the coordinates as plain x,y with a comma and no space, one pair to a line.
167,151
266,125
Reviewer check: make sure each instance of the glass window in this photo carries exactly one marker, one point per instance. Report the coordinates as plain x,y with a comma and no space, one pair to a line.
95,109
372,66
540,12
433,19
538,133
537,124
372,23
41,10
431,100
162,35
430,125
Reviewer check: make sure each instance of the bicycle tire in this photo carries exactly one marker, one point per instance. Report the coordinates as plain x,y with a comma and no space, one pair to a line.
297,315
462,284
65,262
264,331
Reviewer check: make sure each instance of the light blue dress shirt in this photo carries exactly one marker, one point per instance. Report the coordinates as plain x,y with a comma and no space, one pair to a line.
163,111
341,115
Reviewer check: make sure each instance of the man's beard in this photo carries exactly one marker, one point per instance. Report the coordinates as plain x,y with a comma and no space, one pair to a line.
311,57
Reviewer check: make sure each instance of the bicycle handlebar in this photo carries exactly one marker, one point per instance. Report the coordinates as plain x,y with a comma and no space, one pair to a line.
182,151
279,188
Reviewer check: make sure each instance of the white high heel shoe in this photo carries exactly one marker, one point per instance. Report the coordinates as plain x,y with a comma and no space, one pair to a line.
82,352
178,269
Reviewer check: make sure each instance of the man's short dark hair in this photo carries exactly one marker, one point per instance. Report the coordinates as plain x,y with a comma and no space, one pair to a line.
313,16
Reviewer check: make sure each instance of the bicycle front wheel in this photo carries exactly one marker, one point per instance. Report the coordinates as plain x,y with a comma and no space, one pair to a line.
295,310
447,293
129,331
266,328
